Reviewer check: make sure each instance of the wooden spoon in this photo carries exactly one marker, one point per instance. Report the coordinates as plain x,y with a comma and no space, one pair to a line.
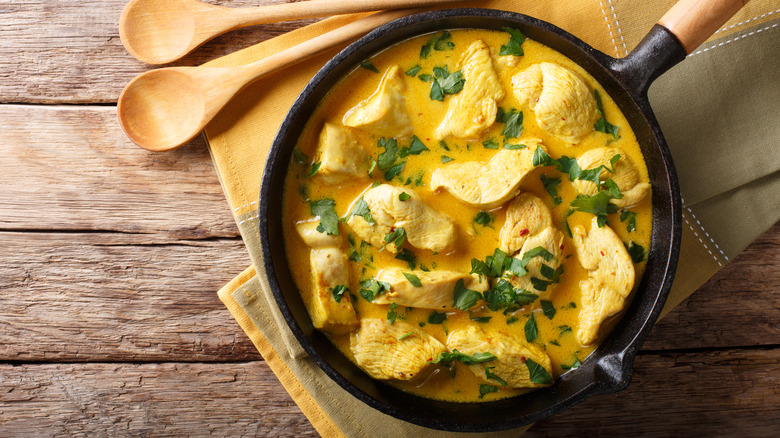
162,109
162,31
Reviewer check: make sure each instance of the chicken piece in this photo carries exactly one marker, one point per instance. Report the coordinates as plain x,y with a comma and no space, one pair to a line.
473,110
626,176
512,356
340,156
526,216
489,184
384,112
313,238
393,351
436,291
610,277
425,227
562,102
329,269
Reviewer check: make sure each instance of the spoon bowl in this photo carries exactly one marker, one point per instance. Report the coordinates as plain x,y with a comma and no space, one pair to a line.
159,31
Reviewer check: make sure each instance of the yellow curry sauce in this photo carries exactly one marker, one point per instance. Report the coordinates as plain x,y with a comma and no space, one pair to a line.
474,240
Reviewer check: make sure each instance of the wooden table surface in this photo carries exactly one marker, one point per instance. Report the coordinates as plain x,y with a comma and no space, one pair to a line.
111,256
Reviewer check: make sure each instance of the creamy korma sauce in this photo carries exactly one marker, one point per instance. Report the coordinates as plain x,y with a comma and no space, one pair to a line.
475,240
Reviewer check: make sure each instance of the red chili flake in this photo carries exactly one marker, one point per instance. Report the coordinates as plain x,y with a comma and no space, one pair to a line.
602,252
522,359
561,247
537,100
563,118
392,229
523,232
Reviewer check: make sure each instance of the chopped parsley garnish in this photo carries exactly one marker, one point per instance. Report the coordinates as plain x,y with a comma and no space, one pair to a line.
446,358
480,319
490,144
326,210
416,147
368,65
541,158
511,320
440,43
314,168
569,165
490,376
556,343
483,218
531,329
445,82
552,276
548,308
443,145
513,146
407,256
405,335
513,120
361,209
386,159
563,329
537,373
414,70
636,251
391,313
299,156
464,298
505,296
630,218
370,289
396,237
445,159
550,185
394,170
602,125
338,292
436,317
597,205
404,196
513,46
415,280
485,389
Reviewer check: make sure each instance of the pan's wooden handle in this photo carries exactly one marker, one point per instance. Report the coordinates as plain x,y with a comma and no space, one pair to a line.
693,21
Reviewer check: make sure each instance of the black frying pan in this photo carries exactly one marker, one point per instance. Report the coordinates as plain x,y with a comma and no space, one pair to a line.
608,369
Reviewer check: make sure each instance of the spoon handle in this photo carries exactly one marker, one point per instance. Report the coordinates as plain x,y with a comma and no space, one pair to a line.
320,8
693,21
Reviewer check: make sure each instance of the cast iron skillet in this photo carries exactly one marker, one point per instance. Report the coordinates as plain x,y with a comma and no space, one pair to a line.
608,369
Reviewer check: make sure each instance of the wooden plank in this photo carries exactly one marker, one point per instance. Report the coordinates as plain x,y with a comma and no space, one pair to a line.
118,297
138,297
171,399
737,307
671,395
61,51
719,393
72,168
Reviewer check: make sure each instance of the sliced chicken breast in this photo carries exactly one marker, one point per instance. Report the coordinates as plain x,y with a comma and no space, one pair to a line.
313,238
436,290
340,156
489,184
425,227
329,271
611,277
626,176
562,102
393,351
473,110
512,356
384,112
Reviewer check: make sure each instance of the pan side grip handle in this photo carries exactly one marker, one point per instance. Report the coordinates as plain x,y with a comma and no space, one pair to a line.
680,31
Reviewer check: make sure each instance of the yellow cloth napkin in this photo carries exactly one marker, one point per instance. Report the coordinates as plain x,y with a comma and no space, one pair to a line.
716,109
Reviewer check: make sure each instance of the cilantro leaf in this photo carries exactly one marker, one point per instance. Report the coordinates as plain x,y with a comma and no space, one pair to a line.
338,292
550,185
436,317
480,319
464,299
541,158
513,46
490,144
445,159
314,168
370,289
548,308
490,376
537,373
576,364
531,329
513,120
404,196
392,315
630,218
408,257
443,43
597,204
397,237
326,210
483,218
485,389
299,156
416,147
601,124
636,251
414,70
368,65
504,296
394,170
386,159
446,357
405,335
413,279
361,209
512,146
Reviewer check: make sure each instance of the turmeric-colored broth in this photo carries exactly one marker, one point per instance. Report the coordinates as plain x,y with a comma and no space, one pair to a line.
474,240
